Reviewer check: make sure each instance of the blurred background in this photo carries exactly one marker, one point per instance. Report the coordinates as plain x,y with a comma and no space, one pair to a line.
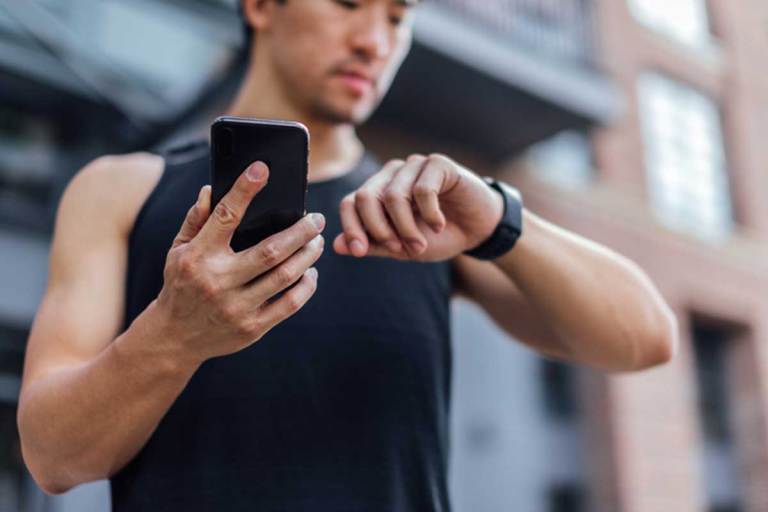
642,124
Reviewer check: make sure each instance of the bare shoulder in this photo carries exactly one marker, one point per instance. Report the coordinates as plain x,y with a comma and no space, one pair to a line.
81,311
114,187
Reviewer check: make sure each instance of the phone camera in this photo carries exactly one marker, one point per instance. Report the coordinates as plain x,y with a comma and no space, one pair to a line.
226,143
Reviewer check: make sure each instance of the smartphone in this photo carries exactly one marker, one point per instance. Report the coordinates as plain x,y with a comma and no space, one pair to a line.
236,142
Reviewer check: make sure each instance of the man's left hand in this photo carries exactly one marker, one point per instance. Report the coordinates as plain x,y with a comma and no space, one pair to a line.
427,208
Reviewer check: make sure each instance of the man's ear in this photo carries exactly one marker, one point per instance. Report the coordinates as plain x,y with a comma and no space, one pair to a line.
258,13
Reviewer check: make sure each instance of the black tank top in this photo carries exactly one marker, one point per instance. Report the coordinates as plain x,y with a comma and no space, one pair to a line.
342,407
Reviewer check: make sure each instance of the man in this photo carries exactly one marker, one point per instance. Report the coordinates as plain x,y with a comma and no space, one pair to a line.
157,361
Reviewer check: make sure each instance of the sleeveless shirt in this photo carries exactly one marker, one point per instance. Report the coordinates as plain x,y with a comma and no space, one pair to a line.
341,407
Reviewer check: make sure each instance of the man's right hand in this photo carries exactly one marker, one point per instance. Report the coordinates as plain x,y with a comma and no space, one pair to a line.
214,301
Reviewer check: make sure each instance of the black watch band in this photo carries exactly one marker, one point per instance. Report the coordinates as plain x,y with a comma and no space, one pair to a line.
509,228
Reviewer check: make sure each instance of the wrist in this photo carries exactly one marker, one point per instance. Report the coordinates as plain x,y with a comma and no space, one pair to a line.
153,343
510,258
497,206
509,224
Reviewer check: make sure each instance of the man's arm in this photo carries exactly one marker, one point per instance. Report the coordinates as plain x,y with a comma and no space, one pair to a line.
573,299
556,291
88,403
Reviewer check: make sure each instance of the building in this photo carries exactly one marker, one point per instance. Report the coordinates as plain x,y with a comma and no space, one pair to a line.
636,123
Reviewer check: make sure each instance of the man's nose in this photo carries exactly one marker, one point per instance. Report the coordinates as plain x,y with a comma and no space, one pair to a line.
372,36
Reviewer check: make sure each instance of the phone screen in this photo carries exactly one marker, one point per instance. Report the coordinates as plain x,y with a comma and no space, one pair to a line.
237,142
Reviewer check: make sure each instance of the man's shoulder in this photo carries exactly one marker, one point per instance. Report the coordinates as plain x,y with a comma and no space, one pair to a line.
116,185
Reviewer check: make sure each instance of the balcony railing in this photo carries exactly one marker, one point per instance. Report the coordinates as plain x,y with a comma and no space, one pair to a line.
563,29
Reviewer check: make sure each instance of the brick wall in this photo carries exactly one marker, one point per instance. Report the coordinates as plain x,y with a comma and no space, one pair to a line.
647,435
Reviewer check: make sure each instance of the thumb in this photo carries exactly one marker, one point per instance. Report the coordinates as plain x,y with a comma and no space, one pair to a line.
197,214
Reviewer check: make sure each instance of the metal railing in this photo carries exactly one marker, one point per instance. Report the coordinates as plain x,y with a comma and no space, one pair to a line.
562,29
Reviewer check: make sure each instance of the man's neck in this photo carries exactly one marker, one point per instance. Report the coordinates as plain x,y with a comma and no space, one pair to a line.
334,148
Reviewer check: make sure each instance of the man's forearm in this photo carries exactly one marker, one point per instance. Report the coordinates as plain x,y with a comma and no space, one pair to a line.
85,422
604,307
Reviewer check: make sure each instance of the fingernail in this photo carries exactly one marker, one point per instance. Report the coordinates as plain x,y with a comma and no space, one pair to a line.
313,272
416,246
256,171
394,246
356,244
318,220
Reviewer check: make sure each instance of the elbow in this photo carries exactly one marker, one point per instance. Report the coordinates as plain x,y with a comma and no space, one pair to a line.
47,476
43,474
42,471
49,486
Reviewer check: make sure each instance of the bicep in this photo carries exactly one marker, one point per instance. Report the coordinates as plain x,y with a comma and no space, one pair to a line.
488,286
82,308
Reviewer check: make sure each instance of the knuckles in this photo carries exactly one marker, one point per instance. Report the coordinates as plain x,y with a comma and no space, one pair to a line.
391,196
251,327
208,289
269,254
230,314
421,190
293,302
395,162
283,275
187,264
440,158
349,200
365,195
188,271
225,214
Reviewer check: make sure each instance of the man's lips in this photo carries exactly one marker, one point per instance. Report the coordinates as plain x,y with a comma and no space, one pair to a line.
355,81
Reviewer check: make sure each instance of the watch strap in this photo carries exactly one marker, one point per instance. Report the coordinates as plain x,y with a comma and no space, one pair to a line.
509,228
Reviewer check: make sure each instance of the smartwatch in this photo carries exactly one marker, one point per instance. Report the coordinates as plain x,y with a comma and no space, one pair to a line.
509,228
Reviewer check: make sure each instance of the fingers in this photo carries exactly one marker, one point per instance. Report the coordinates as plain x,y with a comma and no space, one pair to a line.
397,199
382,214
354,233
371,211
284,275
272,313
273,250
195,218
426,191
227,214
374,249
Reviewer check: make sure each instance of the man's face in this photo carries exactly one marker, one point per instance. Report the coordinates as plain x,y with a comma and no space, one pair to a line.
314,42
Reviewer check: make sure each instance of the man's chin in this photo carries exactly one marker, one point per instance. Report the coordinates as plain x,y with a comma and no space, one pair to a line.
347,115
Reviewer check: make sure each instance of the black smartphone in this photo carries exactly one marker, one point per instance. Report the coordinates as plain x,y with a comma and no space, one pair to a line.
236,142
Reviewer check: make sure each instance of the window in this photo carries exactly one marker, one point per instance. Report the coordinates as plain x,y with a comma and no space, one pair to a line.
558,383
685,20
684,154
566,498
26,163
14,493
12,473
720,464
564,159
